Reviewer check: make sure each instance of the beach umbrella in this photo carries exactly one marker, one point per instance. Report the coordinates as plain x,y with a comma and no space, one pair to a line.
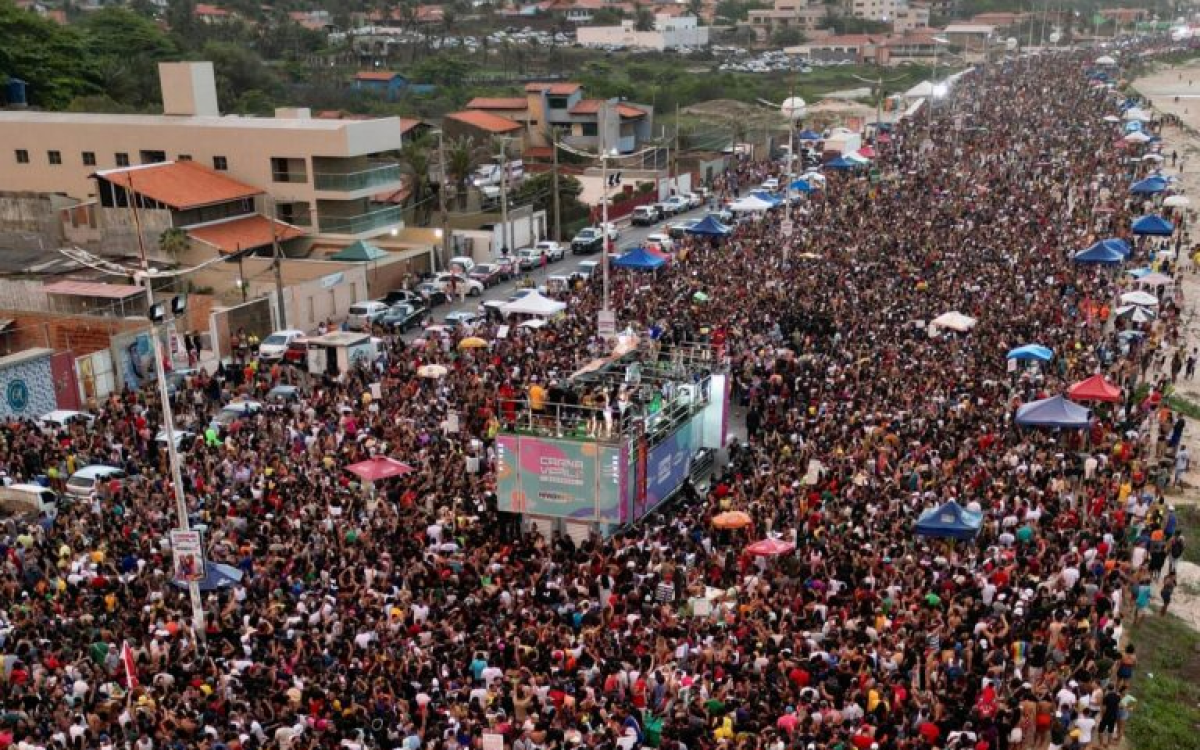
1031,352
472,342
731,519
1139,298
867,151
771,548
955,321
1111,118
1177,201
1155,279
1137,114
1153,225
1105,60
1137,136
376,468
700,297
1095,388
432,371
1153,157
1149,186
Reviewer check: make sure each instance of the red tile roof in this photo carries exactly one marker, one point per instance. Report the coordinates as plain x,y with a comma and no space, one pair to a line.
244,233
630,112
500,102
485,121
180,184
557,89
204,9
592,106
371,75
407,124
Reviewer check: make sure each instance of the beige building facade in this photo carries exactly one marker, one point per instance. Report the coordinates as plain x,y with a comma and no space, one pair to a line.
319,174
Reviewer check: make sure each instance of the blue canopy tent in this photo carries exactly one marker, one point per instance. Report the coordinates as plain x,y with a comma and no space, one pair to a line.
1053,412
1149,186
217,577
1031,351
640,259
1153,225
1133,126
803,186
1100,253
1119,244
709,226
763,195
843,163
808,135
949,521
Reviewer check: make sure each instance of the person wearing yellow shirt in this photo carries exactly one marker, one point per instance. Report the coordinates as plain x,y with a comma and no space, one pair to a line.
537,396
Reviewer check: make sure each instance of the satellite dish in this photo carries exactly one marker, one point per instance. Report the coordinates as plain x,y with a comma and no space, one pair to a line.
1011,43
1055,37
793,108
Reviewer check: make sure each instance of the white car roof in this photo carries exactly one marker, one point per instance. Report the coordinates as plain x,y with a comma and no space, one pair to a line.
96,470
61,415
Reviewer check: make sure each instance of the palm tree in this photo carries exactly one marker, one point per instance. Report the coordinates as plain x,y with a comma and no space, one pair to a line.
416,156
174,242
460,160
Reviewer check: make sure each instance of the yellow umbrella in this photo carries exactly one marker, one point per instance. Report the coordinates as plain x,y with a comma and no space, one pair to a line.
731,519
472,342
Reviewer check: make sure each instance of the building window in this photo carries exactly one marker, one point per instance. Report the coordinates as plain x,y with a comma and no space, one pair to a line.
220,163
22,156
153,157
89,158
55,157
184,157
557,102
122,159
590,129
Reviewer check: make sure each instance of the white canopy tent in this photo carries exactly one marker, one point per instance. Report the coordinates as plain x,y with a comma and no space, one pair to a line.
534,304
750,204
1105,60
1138,114
922,90
955,321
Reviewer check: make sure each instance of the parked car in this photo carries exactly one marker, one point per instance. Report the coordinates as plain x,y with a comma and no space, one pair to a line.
587,268
297,352
363,315
551,248
235,410
487,274
695,200
28,501
677,204
461,264
400,295
614,234
678,230
645,216
662,241
455,283
587,241
664,210
82,482
403,316
273,347
771,184
507,266
431,294
184,439
529,258
461,318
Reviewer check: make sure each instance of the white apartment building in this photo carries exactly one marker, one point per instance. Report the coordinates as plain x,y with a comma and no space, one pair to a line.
321,174
902,15
669,33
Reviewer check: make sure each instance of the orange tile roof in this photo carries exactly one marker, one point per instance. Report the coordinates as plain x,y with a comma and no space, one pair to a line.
587,107
204,9
180,184
244,233
371,75
630,112
558,89
500,102
485,121
407,124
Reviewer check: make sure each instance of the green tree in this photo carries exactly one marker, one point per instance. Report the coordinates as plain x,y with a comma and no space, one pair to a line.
643,19
696,8
173,242
52,59
734,10
238,71
415,158
460,160
787,36
538,190
127,48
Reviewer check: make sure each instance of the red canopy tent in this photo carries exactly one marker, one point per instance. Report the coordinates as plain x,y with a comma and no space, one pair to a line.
1095,388
771,548
376,468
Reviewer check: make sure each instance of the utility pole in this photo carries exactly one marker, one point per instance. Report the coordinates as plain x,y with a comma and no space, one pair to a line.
554,187
674,173
505,233
442,199
278,264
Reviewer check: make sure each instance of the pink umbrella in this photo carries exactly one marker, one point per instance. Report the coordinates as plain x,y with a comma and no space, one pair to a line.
771,548
379,467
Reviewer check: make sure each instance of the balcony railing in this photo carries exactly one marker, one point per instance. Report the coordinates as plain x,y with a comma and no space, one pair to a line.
373,177
377,219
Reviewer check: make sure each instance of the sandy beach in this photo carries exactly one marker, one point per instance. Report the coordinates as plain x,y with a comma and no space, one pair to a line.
1176,90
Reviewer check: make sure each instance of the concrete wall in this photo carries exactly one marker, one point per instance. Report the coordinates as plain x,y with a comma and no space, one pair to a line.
34,213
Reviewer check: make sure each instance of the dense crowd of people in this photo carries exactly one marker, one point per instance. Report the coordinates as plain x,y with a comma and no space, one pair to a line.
426,619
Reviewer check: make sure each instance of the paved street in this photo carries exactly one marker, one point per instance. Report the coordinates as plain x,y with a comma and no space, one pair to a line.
631,236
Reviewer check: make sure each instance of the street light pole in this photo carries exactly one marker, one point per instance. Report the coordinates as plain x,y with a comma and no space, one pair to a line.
606,310
181,510
442,200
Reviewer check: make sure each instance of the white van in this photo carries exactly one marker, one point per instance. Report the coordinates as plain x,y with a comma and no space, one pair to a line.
28,499
85,480
490,174
461,264
588,268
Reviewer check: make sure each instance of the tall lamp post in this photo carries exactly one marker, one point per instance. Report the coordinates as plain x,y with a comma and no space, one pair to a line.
793,108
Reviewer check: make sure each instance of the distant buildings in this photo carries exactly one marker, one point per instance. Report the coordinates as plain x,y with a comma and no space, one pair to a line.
669,32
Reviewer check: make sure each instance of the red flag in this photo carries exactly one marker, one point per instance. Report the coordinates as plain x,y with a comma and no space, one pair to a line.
131,679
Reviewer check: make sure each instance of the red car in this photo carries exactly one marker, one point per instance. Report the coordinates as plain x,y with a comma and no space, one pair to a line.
487,274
